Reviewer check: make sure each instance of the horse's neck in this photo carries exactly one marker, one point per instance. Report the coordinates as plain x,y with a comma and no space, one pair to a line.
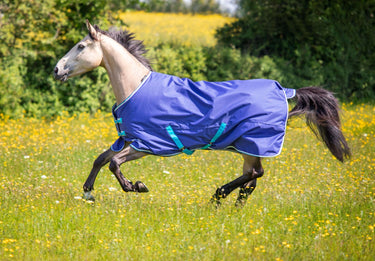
124,70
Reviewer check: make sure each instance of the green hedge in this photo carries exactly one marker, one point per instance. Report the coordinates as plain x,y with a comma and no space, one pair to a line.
38,94
220,64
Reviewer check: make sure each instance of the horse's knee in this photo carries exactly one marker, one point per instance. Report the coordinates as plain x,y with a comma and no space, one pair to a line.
98,163
113,165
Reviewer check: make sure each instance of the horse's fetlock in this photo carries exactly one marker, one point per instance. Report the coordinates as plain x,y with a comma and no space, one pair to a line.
216,197
87,189
127,186
221,193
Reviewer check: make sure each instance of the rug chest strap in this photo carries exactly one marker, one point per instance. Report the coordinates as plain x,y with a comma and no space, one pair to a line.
118,123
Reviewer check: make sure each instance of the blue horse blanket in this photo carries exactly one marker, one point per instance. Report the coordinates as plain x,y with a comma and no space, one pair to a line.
167,115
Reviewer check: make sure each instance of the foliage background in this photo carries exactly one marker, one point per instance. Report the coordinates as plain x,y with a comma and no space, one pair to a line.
298,43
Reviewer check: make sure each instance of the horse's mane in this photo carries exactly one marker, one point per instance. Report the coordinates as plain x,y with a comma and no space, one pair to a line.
126,39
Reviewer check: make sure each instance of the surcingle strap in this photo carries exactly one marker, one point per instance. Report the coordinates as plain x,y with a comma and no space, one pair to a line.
217,135
187,151
178,142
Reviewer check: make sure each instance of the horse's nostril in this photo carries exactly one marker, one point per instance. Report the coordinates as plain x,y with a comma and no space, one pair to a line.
56,70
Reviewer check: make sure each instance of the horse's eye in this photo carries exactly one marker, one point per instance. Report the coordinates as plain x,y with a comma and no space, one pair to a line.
81,47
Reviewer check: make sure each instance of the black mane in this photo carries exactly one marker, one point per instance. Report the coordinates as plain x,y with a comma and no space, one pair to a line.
126,39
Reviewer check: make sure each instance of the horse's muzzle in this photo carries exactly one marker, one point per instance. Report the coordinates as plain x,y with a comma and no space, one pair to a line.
61,75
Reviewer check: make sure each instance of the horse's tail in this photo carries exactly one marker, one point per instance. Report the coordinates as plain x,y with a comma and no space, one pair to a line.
321,110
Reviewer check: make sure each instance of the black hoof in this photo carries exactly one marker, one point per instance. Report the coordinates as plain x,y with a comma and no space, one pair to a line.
215,201
240,202
140,187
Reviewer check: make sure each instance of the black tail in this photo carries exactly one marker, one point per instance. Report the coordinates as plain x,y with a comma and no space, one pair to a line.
321,110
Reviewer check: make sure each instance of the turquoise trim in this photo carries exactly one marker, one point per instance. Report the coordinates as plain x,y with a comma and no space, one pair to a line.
150,152
118,121
146,151
178,142
134,92
122,133
217,135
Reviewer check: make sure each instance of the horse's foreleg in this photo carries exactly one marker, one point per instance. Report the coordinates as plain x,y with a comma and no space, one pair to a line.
252,169
102,160
128,154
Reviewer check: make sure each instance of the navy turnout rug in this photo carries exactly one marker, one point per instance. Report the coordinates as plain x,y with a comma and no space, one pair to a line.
167,115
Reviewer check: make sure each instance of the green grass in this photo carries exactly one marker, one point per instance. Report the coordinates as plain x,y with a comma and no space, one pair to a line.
307,206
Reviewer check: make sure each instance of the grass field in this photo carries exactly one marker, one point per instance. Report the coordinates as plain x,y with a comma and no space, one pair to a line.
308,206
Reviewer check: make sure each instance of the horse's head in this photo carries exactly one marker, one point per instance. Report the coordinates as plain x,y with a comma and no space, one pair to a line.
83,57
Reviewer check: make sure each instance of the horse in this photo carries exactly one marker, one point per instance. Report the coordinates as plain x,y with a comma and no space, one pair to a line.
207,114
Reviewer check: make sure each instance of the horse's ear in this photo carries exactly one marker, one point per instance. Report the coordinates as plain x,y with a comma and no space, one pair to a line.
92,31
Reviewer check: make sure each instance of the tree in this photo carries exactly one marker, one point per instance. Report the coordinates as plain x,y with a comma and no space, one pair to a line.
205,6
336,34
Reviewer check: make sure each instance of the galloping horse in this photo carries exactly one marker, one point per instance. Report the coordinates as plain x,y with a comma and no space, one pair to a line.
164,115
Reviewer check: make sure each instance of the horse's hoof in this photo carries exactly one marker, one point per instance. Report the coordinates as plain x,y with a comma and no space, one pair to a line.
240,203
140,187
215,201
87,196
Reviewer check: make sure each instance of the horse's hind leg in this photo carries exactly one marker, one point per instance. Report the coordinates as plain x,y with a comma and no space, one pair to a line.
252,169
225,190
252,166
